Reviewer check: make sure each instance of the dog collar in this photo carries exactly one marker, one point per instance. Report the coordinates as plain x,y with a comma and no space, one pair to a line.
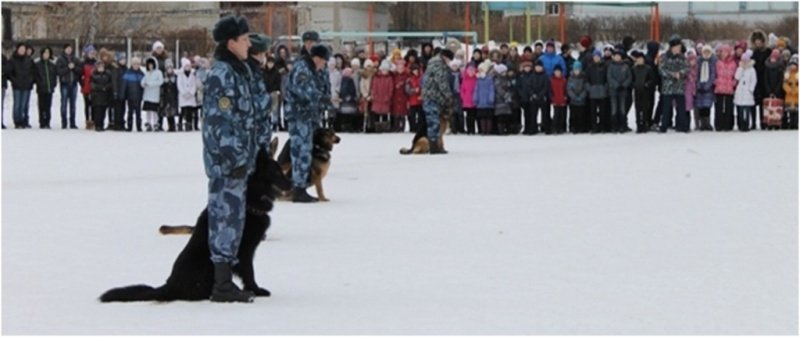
257,212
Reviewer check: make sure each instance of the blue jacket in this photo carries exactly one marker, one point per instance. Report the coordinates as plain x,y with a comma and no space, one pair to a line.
484,93
132,85
229,131
549,62
258,87
305,92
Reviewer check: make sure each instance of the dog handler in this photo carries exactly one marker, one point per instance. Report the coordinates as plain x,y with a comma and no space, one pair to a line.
229,151
306,98
257,59
436,95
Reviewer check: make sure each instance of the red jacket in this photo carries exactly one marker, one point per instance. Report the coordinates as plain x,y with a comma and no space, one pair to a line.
399,96
88,69
382,89
558,88
415,98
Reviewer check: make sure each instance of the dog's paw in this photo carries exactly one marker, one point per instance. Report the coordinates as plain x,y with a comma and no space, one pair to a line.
324,199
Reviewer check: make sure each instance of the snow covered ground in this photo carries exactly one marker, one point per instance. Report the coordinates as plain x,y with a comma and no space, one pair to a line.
605,234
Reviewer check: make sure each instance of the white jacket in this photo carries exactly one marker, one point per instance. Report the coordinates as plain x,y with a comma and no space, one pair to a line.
747,85
187,89
151,83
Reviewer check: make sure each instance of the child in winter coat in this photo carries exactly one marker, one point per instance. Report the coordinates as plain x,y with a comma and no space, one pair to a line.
522,86
152,81
502,98
132,92
644,82
457,124
540,97
365,92
744,97
102,95
597,79
619,82
169,100
45,79
704,96
773,78
484,98
187,94
348,109
399,97
791,92
413,88
691,87
558,88
381,90
515,121
578,93
468,81
724,88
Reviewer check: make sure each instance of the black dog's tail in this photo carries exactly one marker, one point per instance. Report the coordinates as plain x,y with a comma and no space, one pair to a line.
135,293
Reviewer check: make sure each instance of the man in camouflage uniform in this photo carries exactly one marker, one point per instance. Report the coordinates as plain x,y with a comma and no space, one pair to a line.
436,95
230,144
305,100
257,58
310,40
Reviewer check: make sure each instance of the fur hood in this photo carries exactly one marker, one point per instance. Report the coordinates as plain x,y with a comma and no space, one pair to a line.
758,34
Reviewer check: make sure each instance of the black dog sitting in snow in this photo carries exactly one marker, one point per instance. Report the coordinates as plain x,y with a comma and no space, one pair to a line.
192,275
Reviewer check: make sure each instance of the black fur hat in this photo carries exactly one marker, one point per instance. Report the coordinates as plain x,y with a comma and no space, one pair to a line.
259,43
311,36
320,51
230,27
675,40
447,53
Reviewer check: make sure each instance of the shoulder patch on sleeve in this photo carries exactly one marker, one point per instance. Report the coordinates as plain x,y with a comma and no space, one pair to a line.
224,104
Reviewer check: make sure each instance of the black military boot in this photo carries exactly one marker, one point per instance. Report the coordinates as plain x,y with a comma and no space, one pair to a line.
300,195
224,289
435,149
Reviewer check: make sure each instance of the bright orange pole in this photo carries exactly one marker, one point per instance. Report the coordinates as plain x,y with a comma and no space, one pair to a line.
562,22
369,29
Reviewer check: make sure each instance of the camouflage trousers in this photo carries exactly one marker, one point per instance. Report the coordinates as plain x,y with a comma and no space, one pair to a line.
226,216
301,134
432,117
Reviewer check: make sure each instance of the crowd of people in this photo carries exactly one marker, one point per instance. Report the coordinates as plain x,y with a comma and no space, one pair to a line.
544,89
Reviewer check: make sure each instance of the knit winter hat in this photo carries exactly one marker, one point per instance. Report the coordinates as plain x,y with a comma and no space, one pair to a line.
550,43
385,66
597,53
185,63
369,64
230,27
585,41
120,56
707,49
747,55
355,63
88,49
775,55
742,44
675,40
500,68
158,44
577,65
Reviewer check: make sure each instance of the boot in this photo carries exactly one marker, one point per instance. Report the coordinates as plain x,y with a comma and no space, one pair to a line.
89,125
300,195
435,149
224,289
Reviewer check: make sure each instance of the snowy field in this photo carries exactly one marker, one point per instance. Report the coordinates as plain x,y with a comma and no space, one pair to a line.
605,234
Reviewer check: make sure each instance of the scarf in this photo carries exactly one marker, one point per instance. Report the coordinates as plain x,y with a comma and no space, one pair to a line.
704,72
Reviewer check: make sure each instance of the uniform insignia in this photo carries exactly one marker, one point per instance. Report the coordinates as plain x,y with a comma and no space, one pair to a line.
224,104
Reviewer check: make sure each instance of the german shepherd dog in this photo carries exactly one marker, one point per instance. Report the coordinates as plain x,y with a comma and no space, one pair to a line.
323,142
192,276
421,144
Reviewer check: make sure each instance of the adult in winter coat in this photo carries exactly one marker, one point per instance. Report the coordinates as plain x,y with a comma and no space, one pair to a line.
652,59
566,55
578,94
744,98
168,107
619,82
152,81
790,88
102,94
690,88
399,98
132,92
597,78
87,69
540,98
161,55
502,98
427,54
774,70
724,88
760,55
46,79
413,89
116,66
469,79
257,61
586,50
673,69
21,76
524,91
348,109
307,95
457,124
436,96
273,79
69,75
484,97
644,80
558,89
382,90
550,59
706,77
187,94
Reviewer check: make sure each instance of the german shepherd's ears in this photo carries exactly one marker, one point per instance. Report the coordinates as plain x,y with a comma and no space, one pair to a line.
273,147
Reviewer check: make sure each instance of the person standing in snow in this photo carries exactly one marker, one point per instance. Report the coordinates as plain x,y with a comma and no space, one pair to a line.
132,93
69,75
187,94
21,76
436,96
484,97
724,88
744,98
102,94
152,81
673,70
619,83
169,101
558,89
578,94
644,81
706,76
46,80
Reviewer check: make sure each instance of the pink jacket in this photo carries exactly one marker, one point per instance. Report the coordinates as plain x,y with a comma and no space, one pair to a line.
725,84
467,90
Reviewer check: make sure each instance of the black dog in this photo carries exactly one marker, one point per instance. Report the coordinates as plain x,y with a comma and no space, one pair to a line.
192,275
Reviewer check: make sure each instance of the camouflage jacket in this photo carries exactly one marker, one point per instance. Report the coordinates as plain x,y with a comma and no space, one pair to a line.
262,102
305,92
669,65
436,83
229,131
